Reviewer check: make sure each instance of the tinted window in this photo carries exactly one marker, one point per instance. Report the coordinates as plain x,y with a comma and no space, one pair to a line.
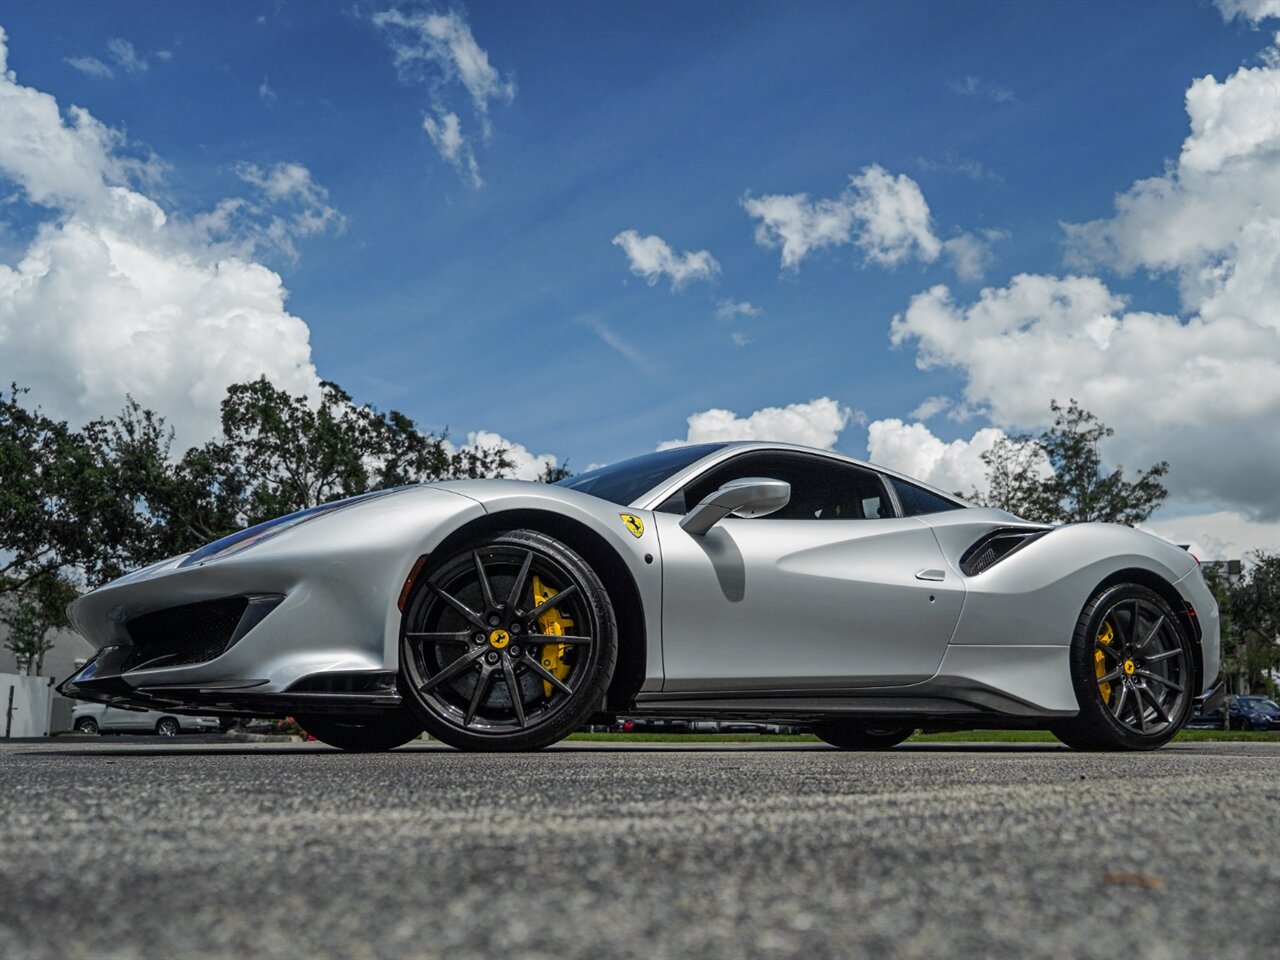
624,481
916,501
821,489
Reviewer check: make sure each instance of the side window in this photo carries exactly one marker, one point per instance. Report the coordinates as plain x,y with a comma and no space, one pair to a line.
916,500
821,489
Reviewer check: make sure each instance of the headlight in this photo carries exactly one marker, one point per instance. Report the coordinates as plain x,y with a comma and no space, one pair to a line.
243,540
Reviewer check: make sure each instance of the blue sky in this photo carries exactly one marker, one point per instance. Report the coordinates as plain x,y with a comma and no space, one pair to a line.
507,307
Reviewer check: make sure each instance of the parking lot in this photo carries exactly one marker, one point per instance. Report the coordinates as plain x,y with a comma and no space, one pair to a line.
127,849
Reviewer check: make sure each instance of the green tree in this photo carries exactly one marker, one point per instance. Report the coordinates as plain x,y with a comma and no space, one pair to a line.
1250,613
61,506
1016,471
1058,477
32,613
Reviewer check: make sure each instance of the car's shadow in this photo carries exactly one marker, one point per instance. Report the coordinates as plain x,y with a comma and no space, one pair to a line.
142,750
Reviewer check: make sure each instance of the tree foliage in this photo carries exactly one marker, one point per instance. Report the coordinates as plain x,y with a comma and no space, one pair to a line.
32,614
1059,478
1250,623
89,504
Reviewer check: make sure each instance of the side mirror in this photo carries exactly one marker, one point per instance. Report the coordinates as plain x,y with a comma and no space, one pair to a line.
748,497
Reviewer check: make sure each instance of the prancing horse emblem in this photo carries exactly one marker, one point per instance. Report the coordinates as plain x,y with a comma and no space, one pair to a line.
634,524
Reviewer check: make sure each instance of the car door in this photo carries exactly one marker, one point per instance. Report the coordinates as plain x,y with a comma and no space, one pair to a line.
833,591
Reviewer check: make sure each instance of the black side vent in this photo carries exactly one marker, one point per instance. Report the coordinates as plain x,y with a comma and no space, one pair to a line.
192,633
994,547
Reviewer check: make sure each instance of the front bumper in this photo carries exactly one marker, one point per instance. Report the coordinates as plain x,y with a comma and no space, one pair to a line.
318,628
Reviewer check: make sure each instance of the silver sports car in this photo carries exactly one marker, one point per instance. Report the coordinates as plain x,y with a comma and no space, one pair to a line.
731,581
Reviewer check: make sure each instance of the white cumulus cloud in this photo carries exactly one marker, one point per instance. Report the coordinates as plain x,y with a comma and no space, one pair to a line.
912,448
885,216
1253,11
651,257
114,296
817,423
1201,390
90,66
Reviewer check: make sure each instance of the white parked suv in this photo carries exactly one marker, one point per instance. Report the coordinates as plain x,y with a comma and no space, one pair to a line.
95,718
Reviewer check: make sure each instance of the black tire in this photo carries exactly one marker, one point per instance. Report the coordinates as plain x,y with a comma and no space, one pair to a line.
467,670
88,726
168,727
1136,689
363,734
859,735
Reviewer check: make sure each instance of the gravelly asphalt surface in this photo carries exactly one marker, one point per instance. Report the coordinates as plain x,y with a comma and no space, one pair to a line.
111,849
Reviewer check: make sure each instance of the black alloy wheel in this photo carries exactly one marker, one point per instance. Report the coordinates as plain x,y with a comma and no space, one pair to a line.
859,735
507,645
88,726
363,734
1132,670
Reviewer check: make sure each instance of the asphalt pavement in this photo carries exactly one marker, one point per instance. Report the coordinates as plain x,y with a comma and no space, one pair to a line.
114,849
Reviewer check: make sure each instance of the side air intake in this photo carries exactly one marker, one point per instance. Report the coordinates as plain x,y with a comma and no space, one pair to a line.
994,547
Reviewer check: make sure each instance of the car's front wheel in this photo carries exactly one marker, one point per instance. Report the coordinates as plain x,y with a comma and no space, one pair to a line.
88,726
363,734
854,735
509,644
1132,671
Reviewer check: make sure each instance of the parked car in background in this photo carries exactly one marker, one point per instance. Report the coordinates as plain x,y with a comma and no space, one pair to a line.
1246,712
1253,713
95,718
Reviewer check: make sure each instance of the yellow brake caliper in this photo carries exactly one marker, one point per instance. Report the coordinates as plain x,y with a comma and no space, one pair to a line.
552,624
1107,636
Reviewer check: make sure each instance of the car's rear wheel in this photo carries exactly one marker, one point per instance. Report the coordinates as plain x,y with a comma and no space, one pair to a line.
363,734
855,735
168,727
88,726
508,645
1132,670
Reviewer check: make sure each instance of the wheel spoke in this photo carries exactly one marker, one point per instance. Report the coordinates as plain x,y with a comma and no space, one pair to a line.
1133,624
472,617
485,589
1141,710
1163,681
1115,674
1155,702
462,636
548,676
1168,654
551,601
517,588
1151,634
478,695
453,669
1109,649
1118,707
551,638
513,687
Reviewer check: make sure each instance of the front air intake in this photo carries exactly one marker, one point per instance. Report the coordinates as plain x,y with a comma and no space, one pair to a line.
194,632
994,547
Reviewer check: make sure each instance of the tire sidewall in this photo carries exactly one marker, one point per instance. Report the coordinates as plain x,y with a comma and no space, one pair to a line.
586,698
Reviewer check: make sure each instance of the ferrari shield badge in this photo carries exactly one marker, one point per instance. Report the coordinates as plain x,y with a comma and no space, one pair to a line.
634,524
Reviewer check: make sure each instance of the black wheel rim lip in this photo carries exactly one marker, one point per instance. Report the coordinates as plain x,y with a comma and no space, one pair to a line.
535,716
1163,654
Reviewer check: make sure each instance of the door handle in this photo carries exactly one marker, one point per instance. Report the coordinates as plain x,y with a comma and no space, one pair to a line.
931,575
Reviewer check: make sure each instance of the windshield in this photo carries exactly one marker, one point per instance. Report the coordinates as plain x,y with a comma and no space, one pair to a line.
1260,704
624,481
